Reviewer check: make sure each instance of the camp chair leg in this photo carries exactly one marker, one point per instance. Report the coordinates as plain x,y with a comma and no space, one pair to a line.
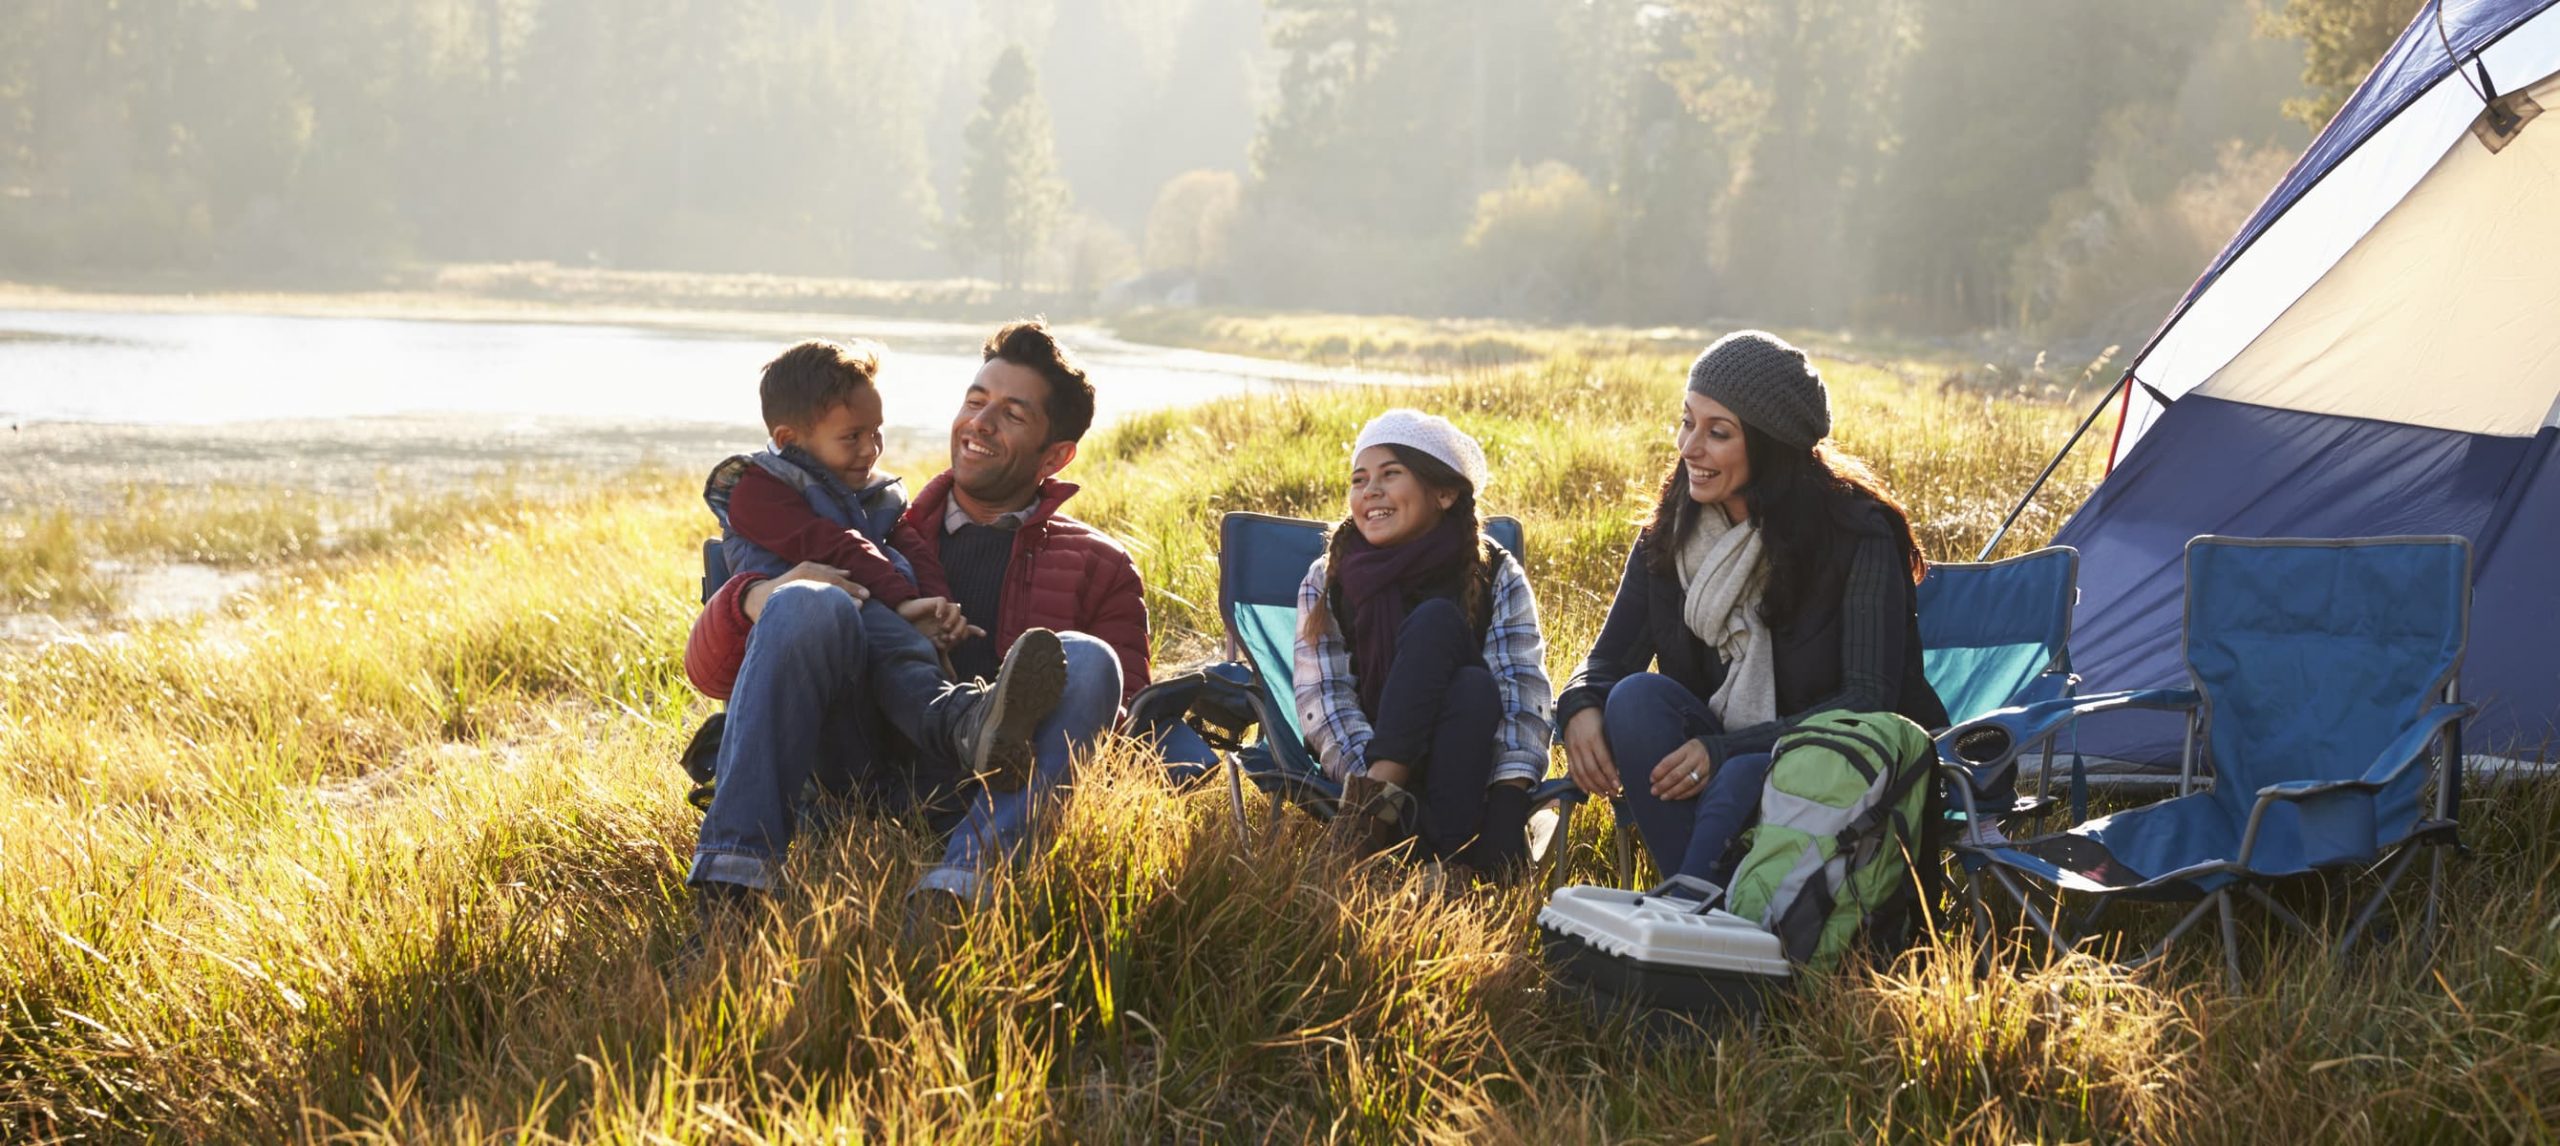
2034,916
2435,890
1977,908
2162,947
2277,909
1279,811
1235,801
1985,928
1559,846
2399,865
2089,923
1622,843
2230,940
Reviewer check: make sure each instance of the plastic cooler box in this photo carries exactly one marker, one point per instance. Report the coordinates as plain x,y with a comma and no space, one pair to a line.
1664,949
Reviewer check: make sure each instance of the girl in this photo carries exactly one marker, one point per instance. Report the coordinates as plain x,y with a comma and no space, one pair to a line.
1419,673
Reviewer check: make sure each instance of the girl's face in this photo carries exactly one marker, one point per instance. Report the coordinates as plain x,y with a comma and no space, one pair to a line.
1388,504
1710,441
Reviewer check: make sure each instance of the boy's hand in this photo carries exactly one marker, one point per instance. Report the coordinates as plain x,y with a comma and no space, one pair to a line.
925,613
939,619
957,626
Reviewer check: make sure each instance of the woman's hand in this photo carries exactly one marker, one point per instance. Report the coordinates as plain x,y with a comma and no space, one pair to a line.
760,592
1684,773
1586,754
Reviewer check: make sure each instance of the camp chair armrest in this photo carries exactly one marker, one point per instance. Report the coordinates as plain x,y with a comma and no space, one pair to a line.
2412,742
1960,781
1555,790
2031,724
2306,789
2395,759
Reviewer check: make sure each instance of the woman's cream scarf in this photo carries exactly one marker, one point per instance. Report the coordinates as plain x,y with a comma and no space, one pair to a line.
1721,569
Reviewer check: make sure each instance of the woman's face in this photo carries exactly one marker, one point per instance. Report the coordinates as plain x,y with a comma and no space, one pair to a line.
1388,504
1710,442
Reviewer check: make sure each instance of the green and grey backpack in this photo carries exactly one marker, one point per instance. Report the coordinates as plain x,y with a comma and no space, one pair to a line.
1843,819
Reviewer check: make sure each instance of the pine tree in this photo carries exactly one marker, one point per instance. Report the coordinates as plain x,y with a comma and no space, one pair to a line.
1010,193
2341,41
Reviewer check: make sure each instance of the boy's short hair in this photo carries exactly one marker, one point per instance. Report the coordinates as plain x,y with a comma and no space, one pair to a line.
801,384
1029,344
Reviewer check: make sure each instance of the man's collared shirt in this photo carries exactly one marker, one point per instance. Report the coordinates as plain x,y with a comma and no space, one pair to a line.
954,517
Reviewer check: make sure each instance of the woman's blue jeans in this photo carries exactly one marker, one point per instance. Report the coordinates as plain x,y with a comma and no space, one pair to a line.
1649,715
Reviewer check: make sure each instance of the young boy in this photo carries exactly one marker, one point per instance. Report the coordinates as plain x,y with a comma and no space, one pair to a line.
811,494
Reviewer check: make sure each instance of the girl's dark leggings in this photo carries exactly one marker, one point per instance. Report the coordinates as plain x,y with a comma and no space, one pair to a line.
1437,716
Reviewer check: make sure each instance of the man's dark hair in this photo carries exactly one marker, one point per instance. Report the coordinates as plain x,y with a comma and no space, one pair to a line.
803,383
1070,405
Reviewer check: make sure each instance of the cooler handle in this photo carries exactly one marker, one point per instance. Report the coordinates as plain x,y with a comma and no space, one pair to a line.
1707,894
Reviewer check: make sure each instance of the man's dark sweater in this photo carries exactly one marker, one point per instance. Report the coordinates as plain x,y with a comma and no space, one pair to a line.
975,559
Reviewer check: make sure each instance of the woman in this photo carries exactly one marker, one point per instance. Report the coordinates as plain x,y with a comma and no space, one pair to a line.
1776,580
1419,671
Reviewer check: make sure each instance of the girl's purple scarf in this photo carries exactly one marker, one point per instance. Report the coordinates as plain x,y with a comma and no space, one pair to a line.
1374,582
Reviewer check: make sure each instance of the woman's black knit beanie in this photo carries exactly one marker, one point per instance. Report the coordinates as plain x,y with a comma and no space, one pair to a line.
1766,383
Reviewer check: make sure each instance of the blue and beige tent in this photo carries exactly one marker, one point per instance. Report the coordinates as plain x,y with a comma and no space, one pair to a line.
2376,352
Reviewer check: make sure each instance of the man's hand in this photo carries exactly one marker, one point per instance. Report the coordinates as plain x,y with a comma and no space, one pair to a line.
1684,773
762,591
939,619
1586,754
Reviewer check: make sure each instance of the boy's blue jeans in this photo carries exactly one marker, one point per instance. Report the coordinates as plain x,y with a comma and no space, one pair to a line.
1646,717
824,680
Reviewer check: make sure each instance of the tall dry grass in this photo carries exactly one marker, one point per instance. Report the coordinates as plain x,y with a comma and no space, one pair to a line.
391,853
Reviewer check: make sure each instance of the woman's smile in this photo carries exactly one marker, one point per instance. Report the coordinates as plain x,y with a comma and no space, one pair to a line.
1711,445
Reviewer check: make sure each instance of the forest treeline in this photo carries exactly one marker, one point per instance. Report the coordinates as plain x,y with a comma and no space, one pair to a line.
2062,166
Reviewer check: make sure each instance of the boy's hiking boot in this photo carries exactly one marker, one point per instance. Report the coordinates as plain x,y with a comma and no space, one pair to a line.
991,732
724,914
1372,816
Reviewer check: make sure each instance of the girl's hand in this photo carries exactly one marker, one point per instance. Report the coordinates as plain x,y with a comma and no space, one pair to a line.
1684,773
1586,754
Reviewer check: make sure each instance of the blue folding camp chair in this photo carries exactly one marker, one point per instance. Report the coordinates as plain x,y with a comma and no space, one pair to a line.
2322,672
701,753
1994,636
1261,560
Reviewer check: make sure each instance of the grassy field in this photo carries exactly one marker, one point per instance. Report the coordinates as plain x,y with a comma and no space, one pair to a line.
390,851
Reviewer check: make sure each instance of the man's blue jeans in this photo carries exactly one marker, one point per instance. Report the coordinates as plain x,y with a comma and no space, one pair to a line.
825,678
1647,716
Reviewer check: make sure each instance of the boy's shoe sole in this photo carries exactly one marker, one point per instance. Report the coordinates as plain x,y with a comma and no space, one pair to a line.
936,922
1025,692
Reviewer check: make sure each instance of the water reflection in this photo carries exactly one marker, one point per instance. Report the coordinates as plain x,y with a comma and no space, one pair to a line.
214,368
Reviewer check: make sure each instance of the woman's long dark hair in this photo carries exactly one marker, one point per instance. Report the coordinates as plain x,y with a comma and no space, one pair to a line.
1436,477
1811,505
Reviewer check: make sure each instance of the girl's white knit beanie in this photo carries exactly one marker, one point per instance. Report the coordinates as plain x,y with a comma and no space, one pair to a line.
1431,434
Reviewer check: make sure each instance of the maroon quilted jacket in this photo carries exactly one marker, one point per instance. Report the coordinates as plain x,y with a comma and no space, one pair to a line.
1064,575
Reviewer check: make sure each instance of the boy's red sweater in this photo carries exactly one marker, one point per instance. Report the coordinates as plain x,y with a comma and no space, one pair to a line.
766,510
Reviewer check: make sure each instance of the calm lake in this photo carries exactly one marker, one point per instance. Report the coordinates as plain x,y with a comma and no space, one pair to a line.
201,369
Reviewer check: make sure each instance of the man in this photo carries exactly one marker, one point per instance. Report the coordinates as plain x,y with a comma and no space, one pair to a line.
809,685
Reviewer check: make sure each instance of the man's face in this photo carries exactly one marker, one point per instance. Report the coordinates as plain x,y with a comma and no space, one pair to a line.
846,439
1000,447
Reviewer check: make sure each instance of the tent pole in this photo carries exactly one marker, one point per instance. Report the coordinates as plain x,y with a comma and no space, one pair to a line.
2104,400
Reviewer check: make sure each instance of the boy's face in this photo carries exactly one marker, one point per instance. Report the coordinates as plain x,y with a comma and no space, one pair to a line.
845,439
